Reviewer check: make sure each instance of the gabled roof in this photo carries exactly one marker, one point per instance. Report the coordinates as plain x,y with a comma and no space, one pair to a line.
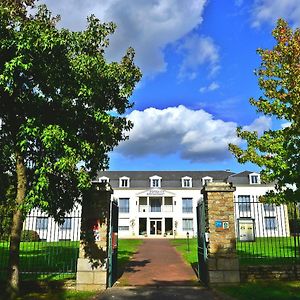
242,174
170,179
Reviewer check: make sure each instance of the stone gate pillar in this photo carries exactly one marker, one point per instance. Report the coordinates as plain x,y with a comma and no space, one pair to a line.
92,260
222,260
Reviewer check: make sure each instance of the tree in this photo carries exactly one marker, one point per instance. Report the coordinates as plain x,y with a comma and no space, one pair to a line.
61,107
277,151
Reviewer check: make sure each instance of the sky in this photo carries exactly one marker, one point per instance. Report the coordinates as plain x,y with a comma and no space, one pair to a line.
198,59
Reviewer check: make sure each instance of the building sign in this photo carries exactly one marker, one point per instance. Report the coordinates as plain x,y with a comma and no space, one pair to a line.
155,192
246,230
221,225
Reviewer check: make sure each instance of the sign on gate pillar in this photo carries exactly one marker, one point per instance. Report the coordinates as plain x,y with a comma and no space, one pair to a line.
222,261
92,261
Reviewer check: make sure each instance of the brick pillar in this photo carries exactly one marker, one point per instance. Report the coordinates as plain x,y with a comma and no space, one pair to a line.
92,261
222,261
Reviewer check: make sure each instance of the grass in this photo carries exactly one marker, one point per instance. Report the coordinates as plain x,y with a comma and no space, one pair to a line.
43,260
271,250
191,256
58,295
275,290
279,250
38,253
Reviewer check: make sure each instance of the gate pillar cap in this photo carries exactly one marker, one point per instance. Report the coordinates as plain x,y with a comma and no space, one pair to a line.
218,187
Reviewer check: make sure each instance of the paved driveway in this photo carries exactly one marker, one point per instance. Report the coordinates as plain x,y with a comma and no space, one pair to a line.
157,272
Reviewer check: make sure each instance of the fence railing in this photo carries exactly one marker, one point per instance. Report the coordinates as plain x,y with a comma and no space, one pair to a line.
266,233
48,249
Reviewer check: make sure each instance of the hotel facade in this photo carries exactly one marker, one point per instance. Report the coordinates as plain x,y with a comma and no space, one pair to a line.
164,203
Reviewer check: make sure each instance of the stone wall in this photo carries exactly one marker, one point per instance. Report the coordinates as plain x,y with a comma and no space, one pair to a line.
92,261
270,272
222,261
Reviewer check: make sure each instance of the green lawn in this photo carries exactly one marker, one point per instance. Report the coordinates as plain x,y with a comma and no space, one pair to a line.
56,260
268,251
48,257
188,252
275,290
280,250
43,260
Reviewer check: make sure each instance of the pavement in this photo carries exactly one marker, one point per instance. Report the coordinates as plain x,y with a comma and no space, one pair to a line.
157,271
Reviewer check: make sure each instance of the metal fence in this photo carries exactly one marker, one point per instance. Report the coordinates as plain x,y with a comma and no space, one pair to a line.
266,233
48,249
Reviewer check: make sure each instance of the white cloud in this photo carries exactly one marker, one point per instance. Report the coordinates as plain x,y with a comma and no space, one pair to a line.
193,134
268,11
260,125
146,25
285,125
211,87
198,51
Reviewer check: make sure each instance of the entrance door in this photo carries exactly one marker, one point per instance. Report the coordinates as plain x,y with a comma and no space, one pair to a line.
155,227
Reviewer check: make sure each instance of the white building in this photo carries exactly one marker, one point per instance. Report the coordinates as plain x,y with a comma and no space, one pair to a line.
163,203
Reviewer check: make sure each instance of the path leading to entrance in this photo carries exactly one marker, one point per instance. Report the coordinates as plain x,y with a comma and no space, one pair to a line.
157,263
157,272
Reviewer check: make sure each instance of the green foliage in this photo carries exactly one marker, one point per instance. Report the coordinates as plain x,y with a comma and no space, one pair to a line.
277,151
29,236
61,105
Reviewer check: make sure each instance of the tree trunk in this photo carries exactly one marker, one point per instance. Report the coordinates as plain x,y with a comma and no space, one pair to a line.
15,236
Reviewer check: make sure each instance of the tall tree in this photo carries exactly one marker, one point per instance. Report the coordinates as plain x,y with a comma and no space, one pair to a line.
277,151
61,106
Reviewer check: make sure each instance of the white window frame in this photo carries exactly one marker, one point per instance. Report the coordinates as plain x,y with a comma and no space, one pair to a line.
191,221
127,179
154,179
186,179
252,175
205,179
275,227
104,179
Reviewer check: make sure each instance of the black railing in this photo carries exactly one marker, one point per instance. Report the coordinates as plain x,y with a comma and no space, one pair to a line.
267,233
48,249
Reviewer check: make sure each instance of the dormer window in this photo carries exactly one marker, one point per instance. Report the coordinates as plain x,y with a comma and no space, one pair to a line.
104,179
254,178
206,180
124,182
155,181
186,182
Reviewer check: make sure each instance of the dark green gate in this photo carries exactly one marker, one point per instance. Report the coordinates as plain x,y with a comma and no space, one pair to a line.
202,243
112,274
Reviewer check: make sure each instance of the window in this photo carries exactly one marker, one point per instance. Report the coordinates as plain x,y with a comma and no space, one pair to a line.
206,180
187,224
244,205
186,182
123,228
103,179
67,224
41,223
155,204
269,208
124,205
187,205
124,182
155,181
270,223
254,178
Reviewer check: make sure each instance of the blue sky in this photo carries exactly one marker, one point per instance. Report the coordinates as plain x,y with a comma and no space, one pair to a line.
198,59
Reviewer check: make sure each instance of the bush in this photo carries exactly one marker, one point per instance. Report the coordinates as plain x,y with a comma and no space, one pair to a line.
29,236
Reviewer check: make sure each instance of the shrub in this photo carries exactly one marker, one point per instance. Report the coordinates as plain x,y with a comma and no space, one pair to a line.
29,236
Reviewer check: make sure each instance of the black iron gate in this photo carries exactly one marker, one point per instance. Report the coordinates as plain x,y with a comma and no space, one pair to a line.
202,243
112,272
